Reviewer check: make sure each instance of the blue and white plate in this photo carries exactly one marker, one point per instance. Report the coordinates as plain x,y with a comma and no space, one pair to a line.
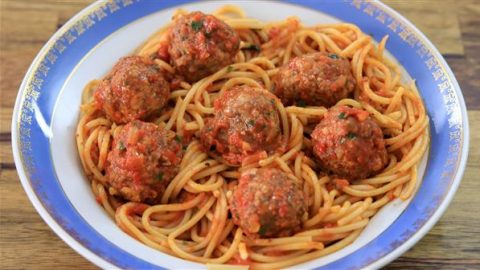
47,108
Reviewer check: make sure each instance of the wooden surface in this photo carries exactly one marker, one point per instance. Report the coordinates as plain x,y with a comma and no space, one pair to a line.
26,242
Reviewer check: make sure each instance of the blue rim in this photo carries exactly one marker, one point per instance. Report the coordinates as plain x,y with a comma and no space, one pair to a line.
444,106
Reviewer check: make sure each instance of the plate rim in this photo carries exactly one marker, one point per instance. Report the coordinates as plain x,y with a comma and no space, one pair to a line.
433,220
100,261
18,159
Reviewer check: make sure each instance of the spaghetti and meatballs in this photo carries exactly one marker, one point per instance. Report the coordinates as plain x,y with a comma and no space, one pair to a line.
227,140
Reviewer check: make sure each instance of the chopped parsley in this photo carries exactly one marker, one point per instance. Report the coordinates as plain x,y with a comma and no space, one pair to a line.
251,122
342,115
197,25
252,47
184,148
272,101
333,56
262,230
178,138
351,135
160,176
301,103
121,146
229,69
208,34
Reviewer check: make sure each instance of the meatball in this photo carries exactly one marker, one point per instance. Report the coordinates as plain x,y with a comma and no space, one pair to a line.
201,45
143,160
349,144
134,89
317,79
267,203
246,123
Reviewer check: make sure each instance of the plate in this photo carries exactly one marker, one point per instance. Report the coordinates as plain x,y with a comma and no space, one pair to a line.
47,107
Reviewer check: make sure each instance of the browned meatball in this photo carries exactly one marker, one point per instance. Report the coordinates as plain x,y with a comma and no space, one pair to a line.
246,123
349,144
267,203
201,45
317,79
143,160
134,89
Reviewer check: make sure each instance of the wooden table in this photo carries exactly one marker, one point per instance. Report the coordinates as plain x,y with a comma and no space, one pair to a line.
27,242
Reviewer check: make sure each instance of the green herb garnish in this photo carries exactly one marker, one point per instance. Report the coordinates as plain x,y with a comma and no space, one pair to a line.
342,115
160,176
252,47
333,56
121,146
208,34
178,138
229,69
262,230
301,103
251,122
351,135
184,148
197,25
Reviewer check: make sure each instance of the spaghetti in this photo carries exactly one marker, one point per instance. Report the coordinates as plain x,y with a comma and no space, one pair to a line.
200,228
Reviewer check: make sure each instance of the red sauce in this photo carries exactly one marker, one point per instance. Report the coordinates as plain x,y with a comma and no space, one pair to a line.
341,183
239,261
274,32
137,209
163,46
329,225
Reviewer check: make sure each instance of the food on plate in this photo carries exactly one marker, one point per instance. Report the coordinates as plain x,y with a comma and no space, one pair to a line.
245,123
349,144
228,140
201,44
134,89
317,79
143,160
268,203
